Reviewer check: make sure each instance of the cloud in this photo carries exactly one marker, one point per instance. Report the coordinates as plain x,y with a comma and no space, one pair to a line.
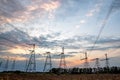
17,43
116,5
82,21
52,5
109,40
15,37
59,56
11,11
96,8
77,26
46,41
21,11
73,52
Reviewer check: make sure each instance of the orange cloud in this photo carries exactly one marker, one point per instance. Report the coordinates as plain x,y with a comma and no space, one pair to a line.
17,50
77,62
50,6
17,58
38,8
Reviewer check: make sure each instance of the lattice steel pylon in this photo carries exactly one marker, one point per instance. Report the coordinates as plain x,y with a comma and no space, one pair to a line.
0,63
6,64
31,66
62,60
26,63
86,63
13,65
106,61
97,63
48,62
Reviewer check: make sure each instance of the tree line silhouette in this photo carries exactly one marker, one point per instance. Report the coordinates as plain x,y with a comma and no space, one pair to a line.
102,70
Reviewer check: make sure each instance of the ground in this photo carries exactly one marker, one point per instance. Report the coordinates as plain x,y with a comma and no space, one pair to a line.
41,76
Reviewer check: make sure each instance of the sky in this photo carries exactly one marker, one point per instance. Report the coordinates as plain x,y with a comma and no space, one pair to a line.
79,26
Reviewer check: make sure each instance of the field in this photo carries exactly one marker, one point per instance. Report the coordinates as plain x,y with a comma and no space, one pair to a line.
39,76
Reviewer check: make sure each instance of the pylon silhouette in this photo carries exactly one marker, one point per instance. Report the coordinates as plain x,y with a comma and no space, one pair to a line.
6,64
86,63
48,62
13,65
62,60
97,64
106,61
31,67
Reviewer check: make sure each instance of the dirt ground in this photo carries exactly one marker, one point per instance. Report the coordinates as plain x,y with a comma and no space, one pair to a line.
39,76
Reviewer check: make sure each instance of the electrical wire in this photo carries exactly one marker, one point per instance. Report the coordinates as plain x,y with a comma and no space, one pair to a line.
101,29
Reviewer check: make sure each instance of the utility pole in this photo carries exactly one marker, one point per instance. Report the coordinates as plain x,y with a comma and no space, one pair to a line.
86,63
31,66
48,62
106,61
62,60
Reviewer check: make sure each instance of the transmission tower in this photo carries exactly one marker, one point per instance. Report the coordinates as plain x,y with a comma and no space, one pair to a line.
97,63
106,61
13,65
26,62
0,63
31,66
86,63
48,63
62,60
6,64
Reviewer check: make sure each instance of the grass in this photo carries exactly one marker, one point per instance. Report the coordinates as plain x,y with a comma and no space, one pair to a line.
39,76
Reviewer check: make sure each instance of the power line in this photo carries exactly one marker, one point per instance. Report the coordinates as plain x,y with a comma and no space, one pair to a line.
18,30
102,27
13,42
